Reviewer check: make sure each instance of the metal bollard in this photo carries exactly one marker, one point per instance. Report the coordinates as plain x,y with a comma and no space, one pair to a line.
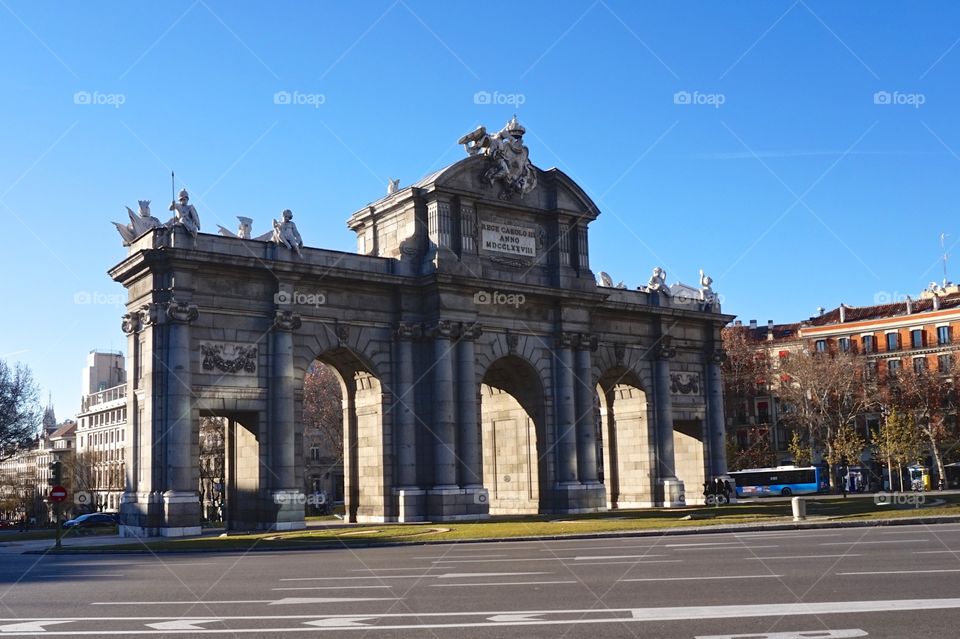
799,508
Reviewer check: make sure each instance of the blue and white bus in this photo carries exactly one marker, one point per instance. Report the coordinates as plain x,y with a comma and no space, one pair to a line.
782,480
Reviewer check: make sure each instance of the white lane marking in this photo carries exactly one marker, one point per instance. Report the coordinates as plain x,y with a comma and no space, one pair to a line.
578,548
704,578
808,634
461,557
448,575
331,588
30,627
342,622
60,575
593,557
936,552
386,569
786,535
804,557
523,617
507,583
269,602
899,572
885,541
458,575
737,547
620,563
512,560
181,624
528,617
704,543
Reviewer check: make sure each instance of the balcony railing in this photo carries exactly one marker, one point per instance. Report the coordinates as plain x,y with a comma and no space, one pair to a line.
105,396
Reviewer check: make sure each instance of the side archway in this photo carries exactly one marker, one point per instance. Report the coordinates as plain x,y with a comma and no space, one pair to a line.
512,431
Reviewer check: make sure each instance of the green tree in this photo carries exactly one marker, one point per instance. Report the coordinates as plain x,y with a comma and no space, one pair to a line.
799,449
898,441
20,411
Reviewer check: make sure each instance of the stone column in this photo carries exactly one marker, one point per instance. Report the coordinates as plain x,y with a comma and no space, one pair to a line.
404,416
565,410
671,487
181,504
716,423
471,452
282,453
586,415
444,405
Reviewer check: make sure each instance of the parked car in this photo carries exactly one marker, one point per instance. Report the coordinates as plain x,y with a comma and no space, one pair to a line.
93,520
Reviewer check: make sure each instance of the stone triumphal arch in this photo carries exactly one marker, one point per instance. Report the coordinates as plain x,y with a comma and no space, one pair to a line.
483,369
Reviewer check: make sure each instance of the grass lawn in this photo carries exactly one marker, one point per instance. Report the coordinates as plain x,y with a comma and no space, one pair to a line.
818,508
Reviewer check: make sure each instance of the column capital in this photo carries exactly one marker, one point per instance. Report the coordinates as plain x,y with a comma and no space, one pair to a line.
182,312
663,349
131,323
408,330
587,342
287,321
443,329
717,356
470,330
568,340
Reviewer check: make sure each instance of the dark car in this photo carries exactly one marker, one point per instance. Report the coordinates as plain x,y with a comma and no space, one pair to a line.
92,520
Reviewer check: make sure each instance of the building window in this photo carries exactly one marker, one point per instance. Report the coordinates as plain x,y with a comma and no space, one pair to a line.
916,338
893,341
943,335
919,365
870,370
893,367
315,453
944,363
869,345
844,344
821,345
763,413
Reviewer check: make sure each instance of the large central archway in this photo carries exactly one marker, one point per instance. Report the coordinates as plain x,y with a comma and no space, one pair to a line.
512,426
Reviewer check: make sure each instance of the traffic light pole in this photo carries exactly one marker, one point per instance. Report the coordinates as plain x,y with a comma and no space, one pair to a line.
56,514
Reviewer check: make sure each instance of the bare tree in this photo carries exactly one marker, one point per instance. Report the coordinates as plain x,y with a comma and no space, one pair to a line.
20,412
826,393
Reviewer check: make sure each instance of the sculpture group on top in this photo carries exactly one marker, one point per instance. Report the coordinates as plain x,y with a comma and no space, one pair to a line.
508,156
284,232
658,284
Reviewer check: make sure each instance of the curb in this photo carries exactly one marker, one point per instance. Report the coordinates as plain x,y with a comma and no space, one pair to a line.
654,532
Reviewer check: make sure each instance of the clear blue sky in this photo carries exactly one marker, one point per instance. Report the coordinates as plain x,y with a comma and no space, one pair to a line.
799,190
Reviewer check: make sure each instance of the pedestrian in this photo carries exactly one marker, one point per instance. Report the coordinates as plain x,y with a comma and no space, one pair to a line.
727,490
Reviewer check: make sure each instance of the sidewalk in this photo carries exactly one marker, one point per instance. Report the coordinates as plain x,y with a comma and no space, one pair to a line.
93,544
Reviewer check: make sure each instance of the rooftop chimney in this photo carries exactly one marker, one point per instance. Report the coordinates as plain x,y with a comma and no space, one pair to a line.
753,324
843,313
936,302
737,323
909,305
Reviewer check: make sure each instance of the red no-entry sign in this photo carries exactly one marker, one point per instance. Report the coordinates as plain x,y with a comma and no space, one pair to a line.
58,493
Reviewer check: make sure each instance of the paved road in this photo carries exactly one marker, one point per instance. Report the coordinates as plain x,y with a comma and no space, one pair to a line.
863,582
